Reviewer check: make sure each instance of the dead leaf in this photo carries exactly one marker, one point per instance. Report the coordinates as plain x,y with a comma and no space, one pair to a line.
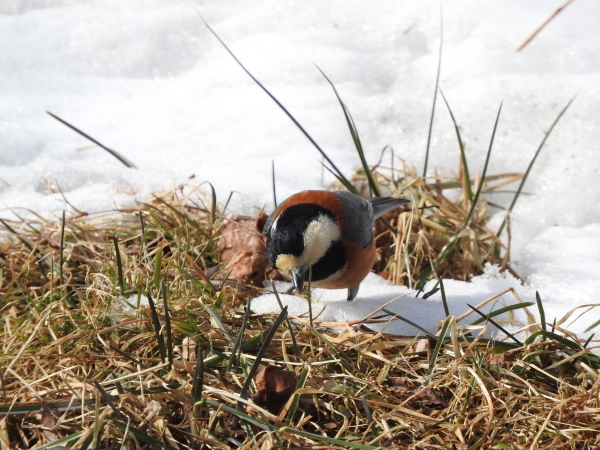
401,386
48,423
242,251
431,399
422,345
500,359
274,387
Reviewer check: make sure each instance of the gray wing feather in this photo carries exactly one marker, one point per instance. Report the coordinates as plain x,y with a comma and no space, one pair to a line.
362,213
359,218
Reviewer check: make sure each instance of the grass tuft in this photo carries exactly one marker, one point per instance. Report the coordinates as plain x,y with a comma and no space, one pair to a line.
86,363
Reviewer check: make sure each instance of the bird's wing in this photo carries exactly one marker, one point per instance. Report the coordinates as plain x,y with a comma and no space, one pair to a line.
359,219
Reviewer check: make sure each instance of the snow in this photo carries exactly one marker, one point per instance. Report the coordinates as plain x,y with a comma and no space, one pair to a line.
330,306
147,78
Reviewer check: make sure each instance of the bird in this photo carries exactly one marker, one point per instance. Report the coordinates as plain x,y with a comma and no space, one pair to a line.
327,234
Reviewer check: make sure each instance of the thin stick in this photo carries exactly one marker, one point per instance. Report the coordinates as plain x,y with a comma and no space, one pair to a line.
543,25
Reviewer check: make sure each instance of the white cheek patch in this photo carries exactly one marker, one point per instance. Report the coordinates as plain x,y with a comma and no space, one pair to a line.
318,237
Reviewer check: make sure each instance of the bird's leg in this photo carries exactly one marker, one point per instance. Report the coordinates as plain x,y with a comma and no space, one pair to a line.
352,293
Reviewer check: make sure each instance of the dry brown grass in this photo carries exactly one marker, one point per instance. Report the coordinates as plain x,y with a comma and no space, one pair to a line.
439,235
77,370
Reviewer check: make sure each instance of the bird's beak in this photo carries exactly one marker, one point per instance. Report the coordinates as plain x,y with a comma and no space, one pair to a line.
298,278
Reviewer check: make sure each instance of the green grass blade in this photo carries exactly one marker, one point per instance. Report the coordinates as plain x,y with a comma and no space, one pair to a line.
198,377
287,320
355,138
403,319
438,423
503,310
302,379
184,218
366,409
438,345
114,153
282,431
144,243
119,264
261,353
227,202
587,342
62,247
156,323
158,257
539,149
541,310
347,362
463,156
342,180
169,343
497,325
213,203
273,183
443,294
60,441
236,351
139,434
130,358
592,326
485,166
556,337
447,251
259,357
108,400
220,324
437,81
283,108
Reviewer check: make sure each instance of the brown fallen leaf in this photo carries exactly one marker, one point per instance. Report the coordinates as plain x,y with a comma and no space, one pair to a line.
274,387
242,251
431,399
500,358
422,345
48,423
401,386
332,425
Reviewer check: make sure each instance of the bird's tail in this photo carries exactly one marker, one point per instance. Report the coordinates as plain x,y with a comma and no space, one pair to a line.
381,205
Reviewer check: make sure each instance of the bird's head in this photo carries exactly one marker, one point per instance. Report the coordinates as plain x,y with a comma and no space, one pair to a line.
299,237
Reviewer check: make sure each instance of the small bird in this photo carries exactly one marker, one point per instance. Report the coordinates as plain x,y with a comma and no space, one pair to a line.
329,234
